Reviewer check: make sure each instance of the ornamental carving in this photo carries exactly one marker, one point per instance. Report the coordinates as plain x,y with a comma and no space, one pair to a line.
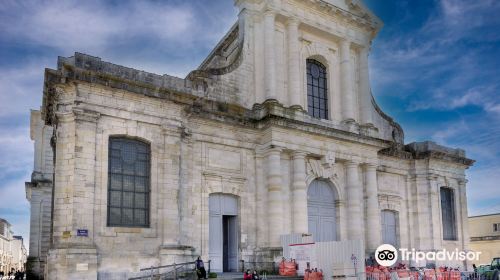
324,168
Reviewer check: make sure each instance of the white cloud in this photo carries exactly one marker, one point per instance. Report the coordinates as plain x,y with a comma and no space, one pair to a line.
91,25
16,149
21,87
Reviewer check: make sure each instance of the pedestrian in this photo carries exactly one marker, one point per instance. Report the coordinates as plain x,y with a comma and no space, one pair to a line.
255,275
247,275
200,269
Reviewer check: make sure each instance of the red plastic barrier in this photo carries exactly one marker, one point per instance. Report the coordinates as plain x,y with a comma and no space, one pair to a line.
403,273
429,274
288,269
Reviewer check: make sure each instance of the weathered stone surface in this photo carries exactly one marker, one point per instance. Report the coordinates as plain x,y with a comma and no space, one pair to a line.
217,132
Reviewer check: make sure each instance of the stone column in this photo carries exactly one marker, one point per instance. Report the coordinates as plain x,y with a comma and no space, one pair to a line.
293,63
373,223
269,55
435,221
464,215
84,178
354,198
275,211
299,189
346,81
364,88
62,213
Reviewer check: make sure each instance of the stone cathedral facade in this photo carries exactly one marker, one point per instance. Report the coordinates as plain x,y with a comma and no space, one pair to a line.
276,132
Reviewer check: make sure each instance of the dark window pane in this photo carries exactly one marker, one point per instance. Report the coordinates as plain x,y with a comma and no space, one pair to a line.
142,156
128,199
139,217
115,153
128,183
115,198
141,168
116,182
140,184
317,98
142,149
128,203
140,200
114,216
129,153
127,216
115,165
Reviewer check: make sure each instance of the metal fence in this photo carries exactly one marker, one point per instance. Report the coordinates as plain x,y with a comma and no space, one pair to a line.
174,271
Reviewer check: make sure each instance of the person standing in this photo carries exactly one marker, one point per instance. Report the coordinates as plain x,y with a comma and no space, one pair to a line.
200,269
255,275
247,275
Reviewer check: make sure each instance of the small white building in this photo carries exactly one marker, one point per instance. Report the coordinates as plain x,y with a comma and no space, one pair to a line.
12,251
276,132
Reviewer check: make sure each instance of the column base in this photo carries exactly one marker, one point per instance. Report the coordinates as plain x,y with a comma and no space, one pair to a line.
35,268
351,125
72,263
297,107
368,129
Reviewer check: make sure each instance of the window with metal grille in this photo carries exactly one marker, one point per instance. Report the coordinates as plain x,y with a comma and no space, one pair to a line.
496,227
448,214
317,98
128,183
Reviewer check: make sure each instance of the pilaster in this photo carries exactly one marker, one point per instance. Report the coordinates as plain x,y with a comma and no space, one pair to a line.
346,79
354,200
364,88
373,223
462,189
269,55
274,186
293,63
299,190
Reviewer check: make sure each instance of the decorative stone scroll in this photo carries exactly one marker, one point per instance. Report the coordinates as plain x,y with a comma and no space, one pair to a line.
324,168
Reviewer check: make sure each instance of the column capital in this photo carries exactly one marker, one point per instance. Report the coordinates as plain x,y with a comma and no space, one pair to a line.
364,50
462,182
269,13
371,166
273,148
291,21
345,42
299,154
352,163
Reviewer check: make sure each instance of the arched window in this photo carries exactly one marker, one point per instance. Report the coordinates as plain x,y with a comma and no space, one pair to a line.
128,183
317,98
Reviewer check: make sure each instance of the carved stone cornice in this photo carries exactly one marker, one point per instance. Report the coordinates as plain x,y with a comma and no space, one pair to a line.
86,115
365,20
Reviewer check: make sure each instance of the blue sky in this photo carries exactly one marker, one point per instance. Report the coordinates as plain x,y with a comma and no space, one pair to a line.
434,68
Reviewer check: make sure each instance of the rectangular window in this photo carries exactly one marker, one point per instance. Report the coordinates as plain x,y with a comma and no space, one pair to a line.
496,227
448,214
128,183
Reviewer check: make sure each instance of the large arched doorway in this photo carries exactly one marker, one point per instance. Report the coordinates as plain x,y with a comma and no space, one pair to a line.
321,211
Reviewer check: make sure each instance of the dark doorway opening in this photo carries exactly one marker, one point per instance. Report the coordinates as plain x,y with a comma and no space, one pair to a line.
229,243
